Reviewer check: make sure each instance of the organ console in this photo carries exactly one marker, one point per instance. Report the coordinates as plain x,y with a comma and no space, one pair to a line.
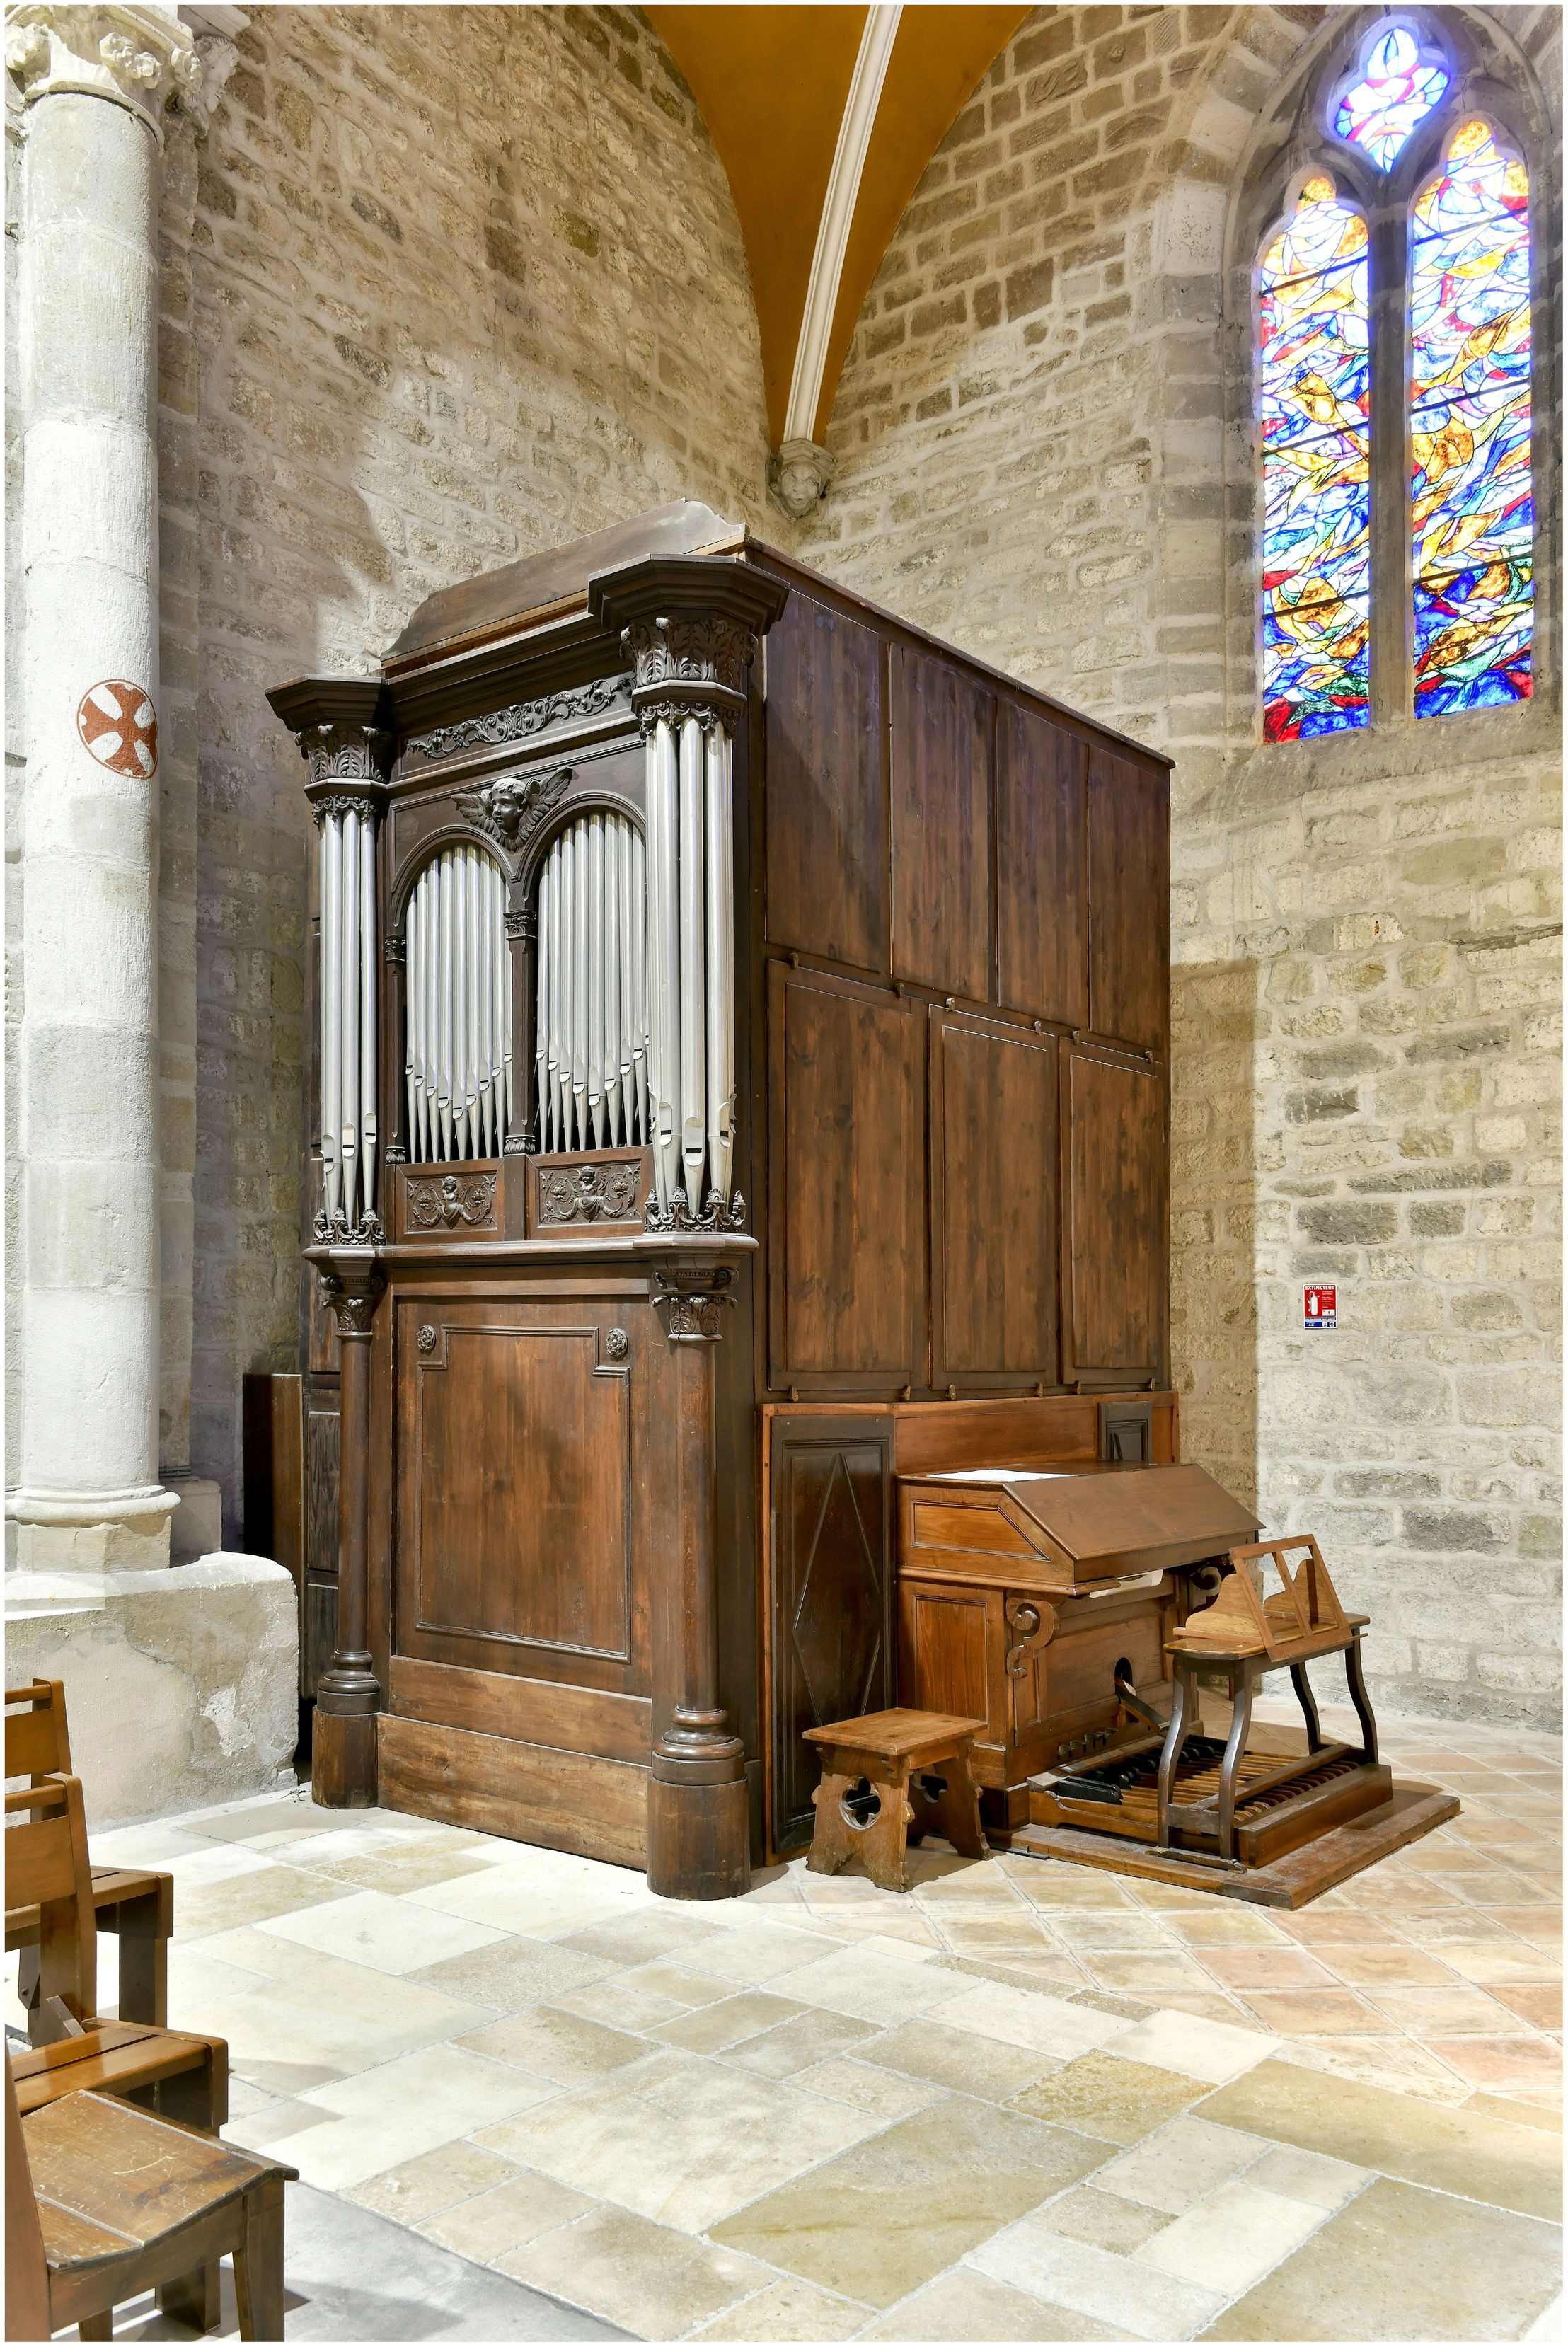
740,1101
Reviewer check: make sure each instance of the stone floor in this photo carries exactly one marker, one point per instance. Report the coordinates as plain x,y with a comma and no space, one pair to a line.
1027,2102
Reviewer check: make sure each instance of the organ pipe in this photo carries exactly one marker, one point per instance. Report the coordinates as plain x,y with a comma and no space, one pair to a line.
591,988
348,1018
457,1063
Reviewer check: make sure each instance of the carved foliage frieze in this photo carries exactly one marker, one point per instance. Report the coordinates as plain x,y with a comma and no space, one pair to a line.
511,809
522,718
679,1215
446,1200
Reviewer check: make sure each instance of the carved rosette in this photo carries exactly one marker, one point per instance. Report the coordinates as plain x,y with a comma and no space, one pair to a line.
678,1216
691,1301
522,718
511,809
447,1200
590,1193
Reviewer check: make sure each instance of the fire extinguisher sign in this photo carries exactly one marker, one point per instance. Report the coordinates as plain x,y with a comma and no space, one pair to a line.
1318,1308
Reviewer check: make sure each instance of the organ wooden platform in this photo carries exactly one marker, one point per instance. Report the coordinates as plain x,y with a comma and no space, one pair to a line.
741,1079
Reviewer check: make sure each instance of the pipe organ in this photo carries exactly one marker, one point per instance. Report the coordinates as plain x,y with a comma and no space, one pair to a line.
742,1081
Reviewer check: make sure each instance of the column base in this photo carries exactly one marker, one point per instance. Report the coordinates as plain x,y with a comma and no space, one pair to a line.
117,1532
344,1760
180,1687
699,1839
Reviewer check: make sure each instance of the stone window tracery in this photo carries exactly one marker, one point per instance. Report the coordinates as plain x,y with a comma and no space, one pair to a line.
1393,356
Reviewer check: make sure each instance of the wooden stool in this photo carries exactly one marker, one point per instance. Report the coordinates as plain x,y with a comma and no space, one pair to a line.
886,1749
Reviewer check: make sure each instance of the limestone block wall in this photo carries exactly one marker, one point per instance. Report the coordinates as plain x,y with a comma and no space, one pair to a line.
1032,459
462,283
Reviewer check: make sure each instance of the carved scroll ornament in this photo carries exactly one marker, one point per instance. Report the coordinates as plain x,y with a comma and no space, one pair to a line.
521,718
436,1201
590,1193
1032,1628
678,1217
511,809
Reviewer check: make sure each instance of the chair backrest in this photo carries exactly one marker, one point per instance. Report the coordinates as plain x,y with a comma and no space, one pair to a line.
37,1741
27,2275
46,1867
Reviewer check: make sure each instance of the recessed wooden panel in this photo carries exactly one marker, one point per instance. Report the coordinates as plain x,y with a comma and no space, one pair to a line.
846,1180
1116,1220
529,1711
826,786
517,1522
831,1562
994,1205
322,1429
1042,866
1129,901
942,1657
939,759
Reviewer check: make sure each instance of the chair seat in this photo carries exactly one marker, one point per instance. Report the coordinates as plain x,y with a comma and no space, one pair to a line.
109,2056
898,1736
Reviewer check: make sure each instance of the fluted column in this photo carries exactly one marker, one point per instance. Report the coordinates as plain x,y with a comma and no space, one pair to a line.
95,83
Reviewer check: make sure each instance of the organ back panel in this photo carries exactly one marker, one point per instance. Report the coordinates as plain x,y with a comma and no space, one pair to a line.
1115,1224
1042,893
993,1202
940,747
826,786
846,1182
1129,901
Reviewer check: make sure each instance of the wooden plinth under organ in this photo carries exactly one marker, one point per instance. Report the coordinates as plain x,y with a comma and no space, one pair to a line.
741,1079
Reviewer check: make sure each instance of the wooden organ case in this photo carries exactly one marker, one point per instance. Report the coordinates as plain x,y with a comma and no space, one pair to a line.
742,1079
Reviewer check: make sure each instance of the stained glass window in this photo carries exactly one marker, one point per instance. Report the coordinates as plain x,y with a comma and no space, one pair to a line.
1313,356
1397,90
1472,512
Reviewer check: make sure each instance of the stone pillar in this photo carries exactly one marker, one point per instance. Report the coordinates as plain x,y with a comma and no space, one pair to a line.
95,81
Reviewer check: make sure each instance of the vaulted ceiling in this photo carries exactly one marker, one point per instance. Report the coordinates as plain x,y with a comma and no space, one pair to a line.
825,120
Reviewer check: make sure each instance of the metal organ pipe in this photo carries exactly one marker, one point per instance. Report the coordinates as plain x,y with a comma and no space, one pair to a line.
721,944
590,987
457,1067
349,976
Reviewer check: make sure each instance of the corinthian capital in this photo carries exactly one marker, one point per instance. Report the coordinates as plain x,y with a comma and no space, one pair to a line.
141,58
688,627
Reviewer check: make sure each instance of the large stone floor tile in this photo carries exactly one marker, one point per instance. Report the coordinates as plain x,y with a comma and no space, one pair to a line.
1507,2065
392,2114
1308,2175
637,1937
1451,2151
509,1974
787,2310
1401,2262
1193,2045
959,2060
390,1936
875,1987
260,1895
1234,2237
1117,2101
866,2088
397,1872
494,2223
687,2147
1038,2023
657,2282
1093,2282
813,2036
1103,2219
1180,2165
1489,1961
436,2179
712,2027
965,2305
323,2020
747,1957
880,2220
552,2043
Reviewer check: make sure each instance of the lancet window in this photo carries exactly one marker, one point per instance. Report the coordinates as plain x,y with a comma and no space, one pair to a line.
1393,356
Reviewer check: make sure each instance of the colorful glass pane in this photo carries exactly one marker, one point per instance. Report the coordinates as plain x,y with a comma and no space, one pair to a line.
1313,366
1471,511
1397,89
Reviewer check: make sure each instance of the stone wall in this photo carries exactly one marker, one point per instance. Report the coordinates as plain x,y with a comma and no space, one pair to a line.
462,283
1033,459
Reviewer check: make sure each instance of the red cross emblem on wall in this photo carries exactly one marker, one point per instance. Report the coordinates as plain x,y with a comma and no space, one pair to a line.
118,727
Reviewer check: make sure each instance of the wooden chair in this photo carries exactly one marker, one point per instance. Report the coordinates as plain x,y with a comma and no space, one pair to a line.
104,2202
136,1903
180,2074
915,1766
